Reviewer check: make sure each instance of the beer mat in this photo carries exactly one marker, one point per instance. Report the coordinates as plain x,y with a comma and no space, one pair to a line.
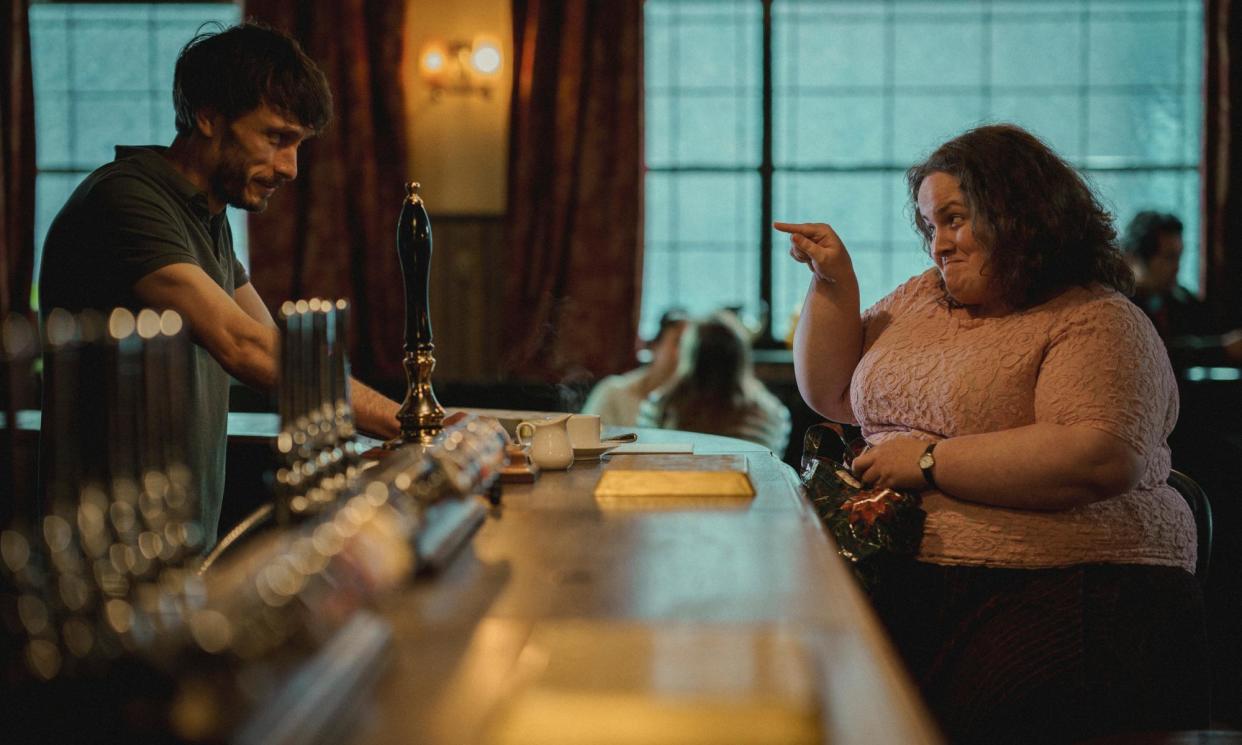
633,448
703,480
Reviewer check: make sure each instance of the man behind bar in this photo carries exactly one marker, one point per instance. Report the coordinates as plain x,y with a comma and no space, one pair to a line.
1188,326
148,230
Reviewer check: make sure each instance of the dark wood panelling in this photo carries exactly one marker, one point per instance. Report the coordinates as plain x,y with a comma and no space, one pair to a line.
466,293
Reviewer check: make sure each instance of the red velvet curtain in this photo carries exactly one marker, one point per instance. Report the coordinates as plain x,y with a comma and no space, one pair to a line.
17,161
574,272
332,231
1222,159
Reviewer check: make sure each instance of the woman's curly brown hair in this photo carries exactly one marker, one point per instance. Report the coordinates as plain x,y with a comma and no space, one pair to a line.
1045,229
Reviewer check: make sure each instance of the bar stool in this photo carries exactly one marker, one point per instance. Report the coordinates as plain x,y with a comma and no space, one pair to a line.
1201,508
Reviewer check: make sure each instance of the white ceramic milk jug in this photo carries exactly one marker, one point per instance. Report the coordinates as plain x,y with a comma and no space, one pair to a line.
548,440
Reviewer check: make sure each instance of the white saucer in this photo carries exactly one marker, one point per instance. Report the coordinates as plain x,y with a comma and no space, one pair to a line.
593,453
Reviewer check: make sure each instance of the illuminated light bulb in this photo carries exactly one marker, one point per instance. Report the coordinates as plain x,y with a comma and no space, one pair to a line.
486,57
433,60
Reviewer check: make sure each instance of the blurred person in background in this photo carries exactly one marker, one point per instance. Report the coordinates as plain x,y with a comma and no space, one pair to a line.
715,390
617,398
1190,329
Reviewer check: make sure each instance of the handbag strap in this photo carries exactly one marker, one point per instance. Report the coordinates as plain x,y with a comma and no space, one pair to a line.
840,443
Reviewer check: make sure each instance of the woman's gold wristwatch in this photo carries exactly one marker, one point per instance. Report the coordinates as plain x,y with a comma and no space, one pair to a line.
927,462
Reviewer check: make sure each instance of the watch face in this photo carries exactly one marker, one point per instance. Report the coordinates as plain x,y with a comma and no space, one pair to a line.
926,460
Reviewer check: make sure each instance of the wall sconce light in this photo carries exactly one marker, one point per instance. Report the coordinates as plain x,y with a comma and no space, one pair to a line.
459,67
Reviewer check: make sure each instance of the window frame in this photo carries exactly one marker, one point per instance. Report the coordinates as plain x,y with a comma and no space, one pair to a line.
74,166
769,171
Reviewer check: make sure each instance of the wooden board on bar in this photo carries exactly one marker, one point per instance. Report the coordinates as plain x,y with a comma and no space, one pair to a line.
675,482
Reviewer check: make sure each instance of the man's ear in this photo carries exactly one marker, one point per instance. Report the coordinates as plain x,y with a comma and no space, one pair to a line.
207,122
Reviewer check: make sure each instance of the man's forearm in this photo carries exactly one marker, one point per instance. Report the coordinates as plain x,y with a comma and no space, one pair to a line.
374,413
250,357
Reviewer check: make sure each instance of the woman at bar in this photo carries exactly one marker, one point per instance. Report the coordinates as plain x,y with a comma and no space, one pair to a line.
715,389
1052,598
617,398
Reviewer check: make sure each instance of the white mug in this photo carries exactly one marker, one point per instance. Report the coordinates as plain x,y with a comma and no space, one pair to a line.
548,441
584,431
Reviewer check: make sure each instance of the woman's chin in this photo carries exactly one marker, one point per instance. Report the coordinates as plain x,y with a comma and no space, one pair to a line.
965,299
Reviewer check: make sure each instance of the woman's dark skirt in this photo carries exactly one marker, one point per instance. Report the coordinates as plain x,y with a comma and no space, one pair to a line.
1050,655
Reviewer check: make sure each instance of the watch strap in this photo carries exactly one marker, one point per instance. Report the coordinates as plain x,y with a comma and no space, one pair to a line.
928,476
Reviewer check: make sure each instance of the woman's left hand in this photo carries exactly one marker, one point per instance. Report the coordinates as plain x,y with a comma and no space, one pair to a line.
893,464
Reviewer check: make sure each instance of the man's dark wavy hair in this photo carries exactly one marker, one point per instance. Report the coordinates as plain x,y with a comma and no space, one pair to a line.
233,71
1142,235
1045,228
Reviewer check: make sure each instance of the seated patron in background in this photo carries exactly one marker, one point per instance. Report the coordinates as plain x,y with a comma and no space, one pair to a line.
148,230
616,398
1017,388
1189,327
715,390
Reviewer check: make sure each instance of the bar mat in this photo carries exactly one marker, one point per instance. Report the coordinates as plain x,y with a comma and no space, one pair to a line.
674,481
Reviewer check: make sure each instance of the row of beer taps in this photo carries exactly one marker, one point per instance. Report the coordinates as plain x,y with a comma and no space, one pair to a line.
110,565
98,566
317,453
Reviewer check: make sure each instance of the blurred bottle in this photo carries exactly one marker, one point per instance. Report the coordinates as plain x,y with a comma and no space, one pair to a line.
793,326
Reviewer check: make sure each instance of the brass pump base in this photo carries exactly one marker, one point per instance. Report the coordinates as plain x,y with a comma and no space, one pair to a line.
421,416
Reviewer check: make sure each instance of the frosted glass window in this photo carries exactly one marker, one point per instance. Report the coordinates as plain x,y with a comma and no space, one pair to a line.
1142,127
861,89
937,44
1035,49
703,92
99,125
1135,45
1056,117
923,120
716,129
841,129
704,123
103,77
829,48
699,257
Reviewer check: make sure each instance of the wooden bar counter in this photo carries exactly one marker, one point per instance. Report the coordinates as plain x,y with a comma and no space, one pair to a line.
567,621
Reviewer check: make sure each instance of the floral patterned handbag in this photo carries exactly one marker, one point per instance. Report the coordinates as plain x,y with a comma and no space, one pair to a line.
871,526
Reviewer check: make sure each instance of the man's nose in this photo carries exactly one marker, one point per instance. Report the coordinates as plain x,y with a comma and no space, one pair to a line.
942,242
287,163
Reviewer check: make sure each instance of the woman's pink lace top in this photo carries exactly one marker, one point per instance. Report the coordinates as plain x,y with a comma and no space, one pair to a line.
1087,357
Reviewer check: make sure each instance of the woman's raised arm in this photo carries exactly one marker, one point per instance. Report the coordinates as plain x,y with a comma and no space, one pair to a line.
829,336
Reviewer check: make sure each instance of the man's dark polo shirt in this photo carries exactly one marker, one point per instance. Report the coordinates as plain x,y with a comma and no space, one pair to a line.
1189,327
129,218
